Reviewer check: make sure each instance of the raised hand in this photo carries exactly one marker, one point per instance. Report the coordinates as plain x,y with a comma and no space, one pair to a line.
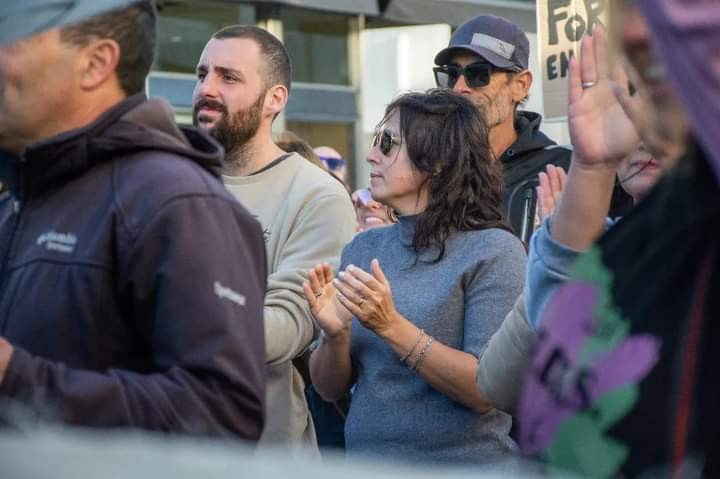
601,132
368,297
551,186
322,297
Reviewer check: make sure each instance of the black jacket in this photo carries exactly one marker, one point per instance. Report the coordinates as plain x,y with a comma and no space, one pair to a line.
522,163
665,264
131,281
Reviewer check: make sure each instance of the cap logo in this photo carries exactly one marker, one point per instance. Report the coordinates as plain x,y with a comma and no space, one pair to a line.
495,45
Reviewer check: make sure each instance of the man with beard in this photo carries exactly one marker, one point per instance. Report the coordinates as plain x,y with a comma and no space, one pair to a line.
487,61
243,82
118,307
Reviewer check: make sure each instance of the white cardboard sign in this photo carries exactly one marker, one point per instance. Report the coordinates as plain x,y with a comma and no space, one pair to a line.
561,26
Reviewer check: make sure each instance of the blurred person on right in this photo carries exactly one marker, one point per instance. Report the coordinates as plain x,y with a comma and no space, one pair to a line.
502,364
425,293
622,382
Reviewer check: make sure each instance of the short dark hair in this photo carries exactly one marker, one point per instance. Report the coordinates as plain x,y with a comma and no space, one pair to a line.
133,28
278,70
447,139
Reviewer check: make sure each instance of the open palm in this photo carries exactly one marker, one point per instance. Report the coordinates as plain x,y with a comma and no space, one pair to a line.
602,133
321,294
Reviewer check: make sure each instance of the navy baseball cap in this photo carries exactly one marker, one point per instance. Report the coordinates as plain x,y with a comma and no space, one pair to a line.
497,40
24,18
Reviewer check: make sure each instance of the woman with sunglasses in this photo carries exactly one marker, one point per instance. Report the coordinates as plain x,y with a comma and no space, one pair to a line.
427,292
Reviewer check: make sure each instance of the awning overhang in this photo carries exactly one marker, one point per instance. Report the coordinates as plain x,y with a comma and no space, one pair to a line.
455,12
355,7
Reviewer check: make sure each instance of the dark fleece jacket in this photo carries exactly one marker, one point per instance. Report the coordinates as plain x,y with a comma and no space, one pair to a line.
522,163
131,281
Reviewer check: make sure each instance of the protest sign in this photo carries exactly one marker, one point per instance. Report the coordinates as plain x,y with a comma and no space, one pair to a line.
562,24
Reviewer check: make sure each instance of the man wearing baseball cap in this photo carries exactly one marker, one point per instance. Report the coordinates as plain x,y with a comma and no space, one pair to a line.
487,61
131,281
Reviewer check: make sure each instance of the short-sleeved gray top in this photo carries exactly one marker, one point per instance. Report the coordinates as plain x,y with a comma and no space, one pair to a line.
461,301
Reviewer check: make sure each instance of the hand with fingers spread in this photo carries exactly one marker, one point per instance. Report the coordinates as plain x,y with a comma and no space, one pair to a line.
551,186
368,297
600,129
331,315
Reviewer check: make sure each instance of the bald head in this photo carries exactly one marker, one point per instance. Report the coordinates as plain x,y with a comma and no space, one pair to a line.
327,152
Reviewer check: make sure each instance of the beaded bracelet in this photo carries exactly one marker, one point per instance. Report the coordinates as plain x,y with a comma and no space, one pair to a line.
422,354
405,358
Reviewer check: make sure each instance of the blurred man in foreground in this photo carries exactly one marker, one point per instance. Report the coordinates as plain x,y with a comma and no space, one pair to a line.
119,308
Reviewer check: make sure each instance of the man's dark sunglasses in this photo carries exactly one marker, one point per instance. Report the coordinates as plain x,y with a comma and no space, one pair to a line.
386,139
476,74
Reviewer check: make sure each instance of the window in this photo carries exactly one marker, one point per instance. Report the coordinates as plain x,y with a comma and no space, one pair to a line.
184,27
318,46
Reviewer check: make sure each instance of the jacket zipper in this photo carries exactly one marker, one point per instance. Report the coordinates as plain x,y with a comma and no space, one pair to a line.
8,247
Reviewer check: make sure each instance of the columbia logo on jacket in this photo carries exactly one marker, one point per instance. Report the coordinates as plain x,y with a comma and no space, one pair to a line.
61,242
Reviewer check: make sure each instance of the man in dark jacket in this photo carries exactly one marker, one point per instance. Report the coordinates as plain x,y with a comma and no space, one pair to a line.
487,61
131,281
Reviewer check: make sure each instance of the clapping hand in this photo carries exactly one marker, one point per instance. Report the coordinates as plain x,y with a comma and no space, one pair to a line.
551,186
368,297
322,297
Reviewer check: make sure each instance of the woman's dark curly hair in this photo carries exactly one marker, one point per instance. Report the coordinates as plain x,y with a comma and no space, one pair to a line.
447,138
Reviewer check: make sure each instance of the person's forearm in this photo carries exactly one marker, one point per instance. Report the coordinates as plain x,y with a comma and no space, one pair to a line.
450,371
331,366
289,329
502,365
580,216
216,399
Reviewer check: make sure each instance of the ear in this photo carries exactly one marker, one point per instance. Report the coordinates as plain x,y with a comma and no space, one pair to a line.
275,100
99,61
521,84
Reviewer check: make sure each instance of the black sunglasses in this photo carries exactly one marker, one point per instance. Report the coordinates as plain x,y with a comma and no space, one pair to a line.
476,74
386,139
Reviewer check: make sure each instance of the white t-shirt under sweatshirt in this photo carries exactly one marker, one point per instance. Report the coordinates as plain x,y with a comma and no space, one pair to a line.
307,218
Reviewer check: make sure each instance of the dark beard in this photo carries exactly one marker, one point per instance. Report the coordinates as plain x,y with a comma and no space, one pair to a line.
234,132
